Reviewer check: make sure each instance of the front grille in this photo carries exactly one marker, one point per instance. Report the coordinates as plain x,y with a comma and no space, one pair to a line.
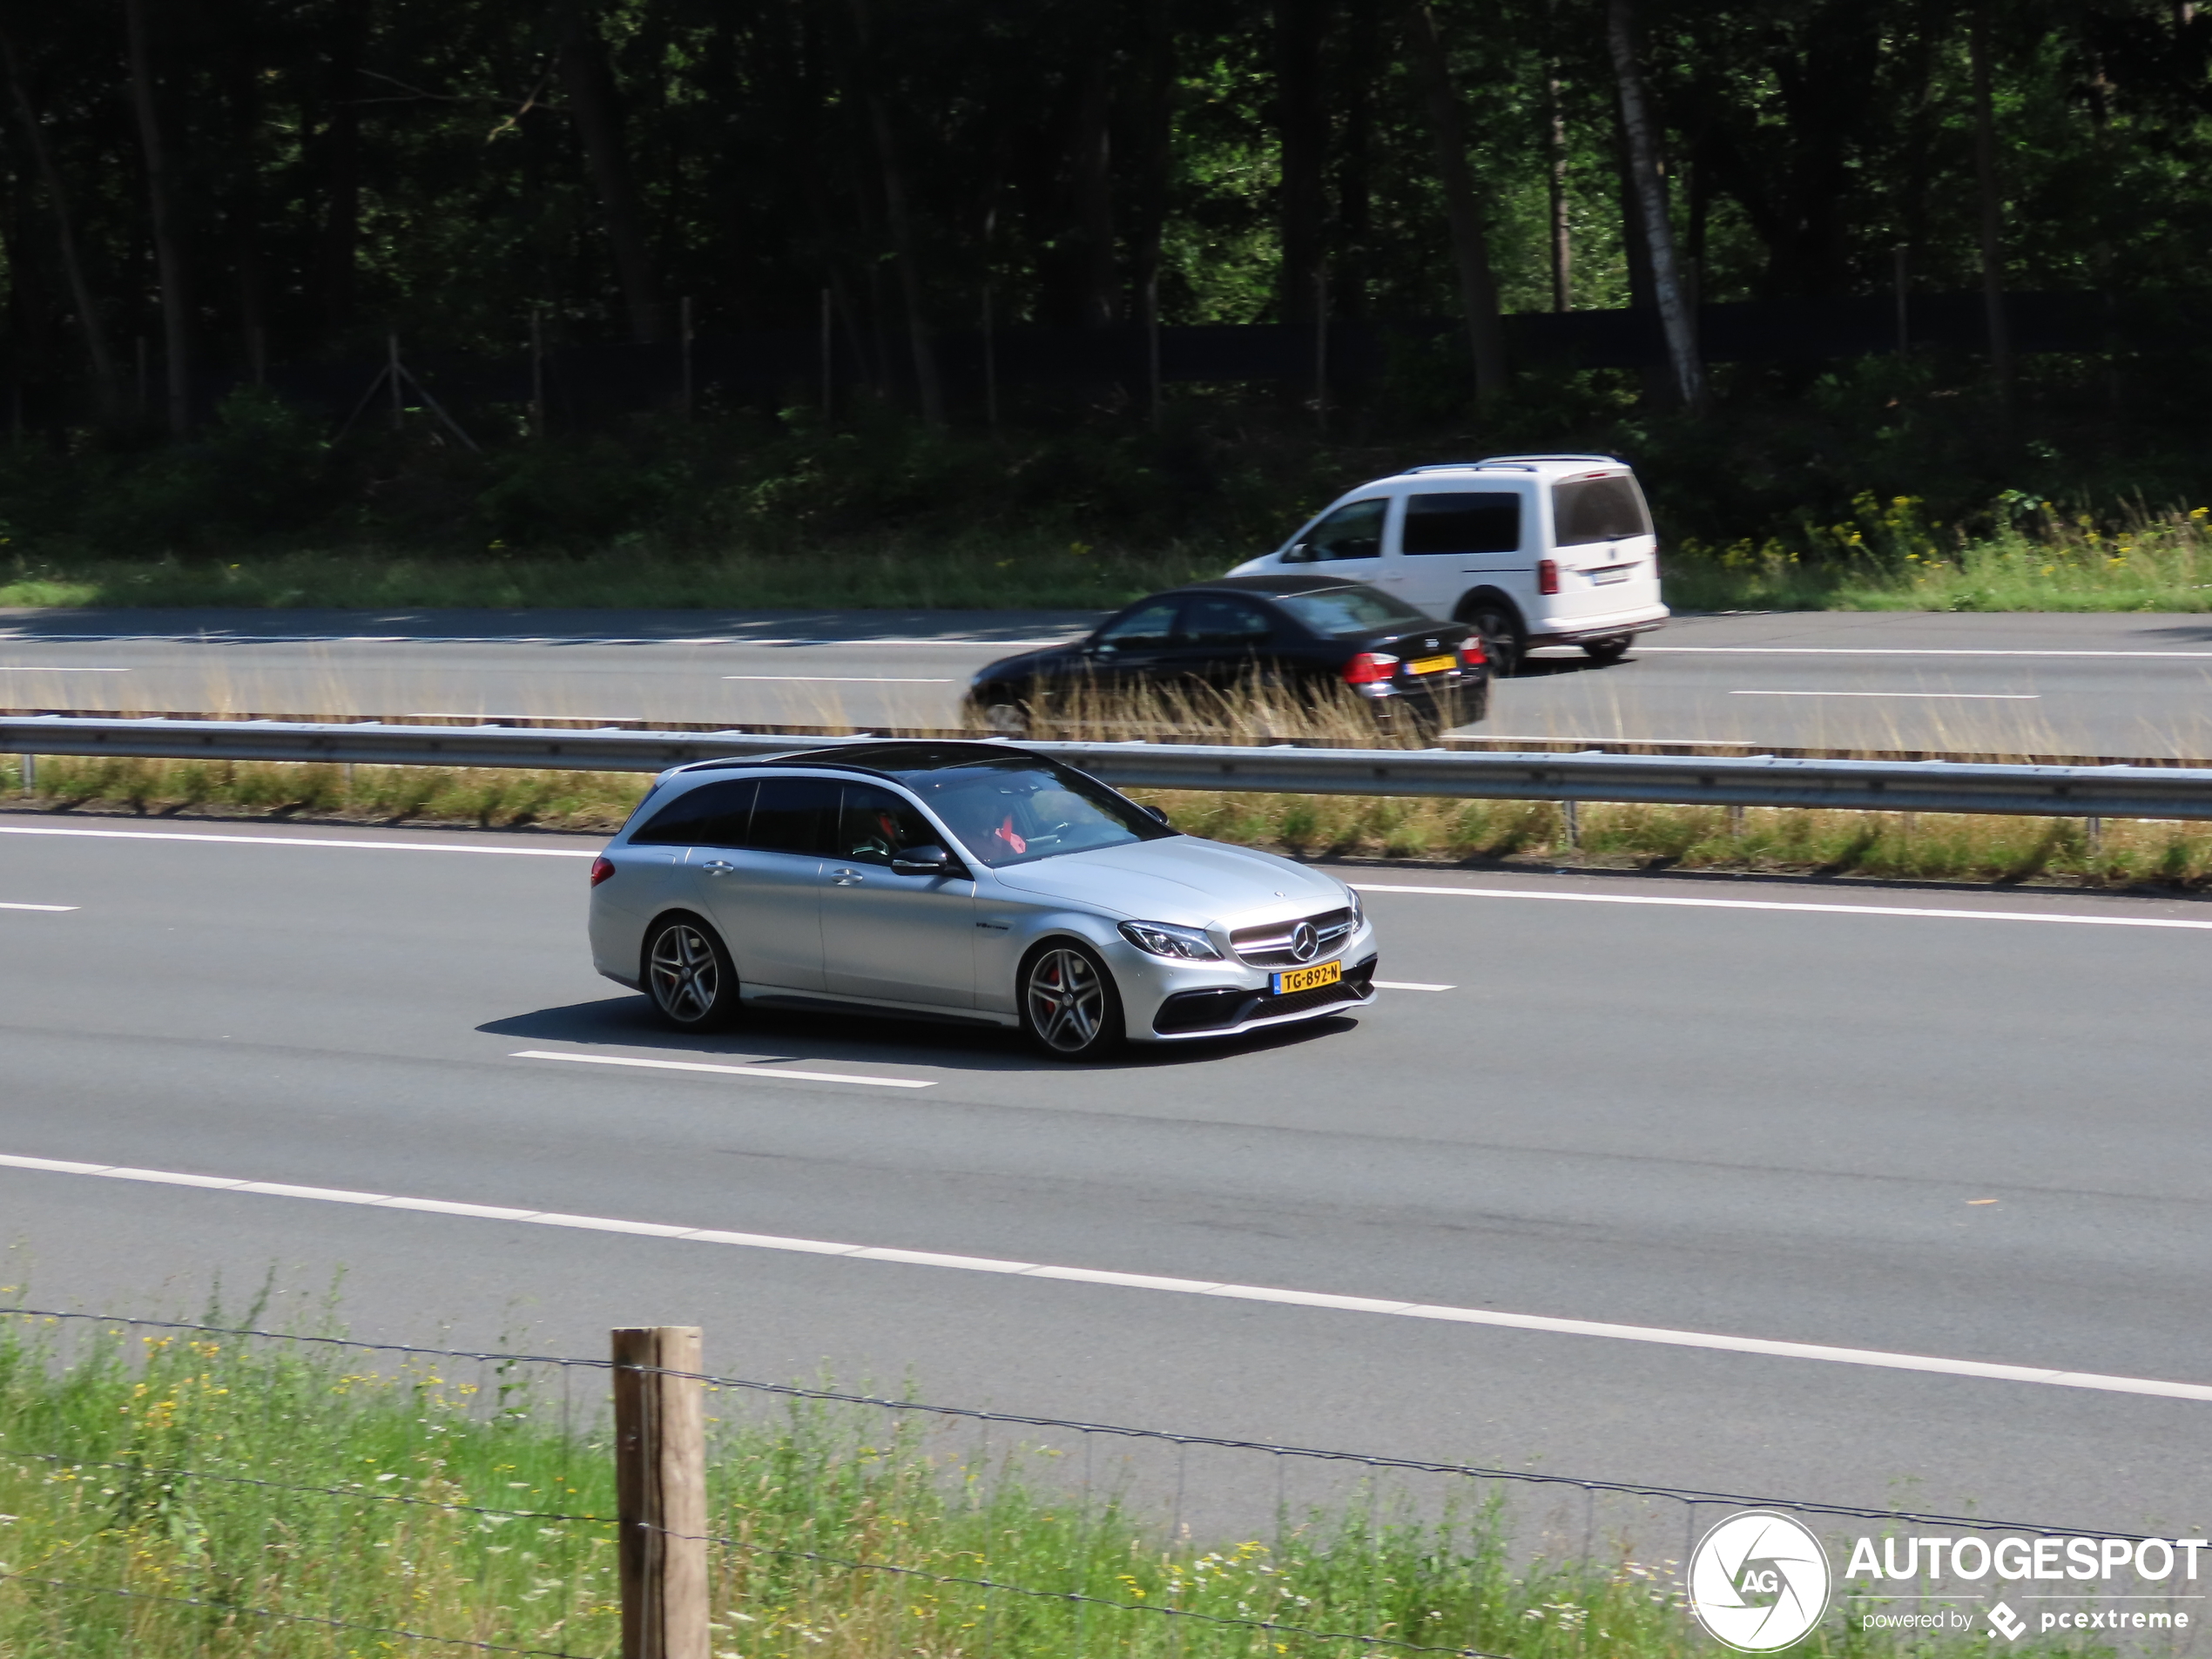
1268,944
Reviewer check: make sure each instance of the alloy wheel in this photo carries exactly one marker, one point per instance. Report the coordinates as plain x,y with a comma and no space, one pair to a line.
686,974
1066,1001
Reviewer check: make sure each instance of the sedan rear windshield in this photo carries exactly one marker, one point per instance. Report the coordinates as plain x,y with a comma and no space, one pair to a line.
1347,610
1016,811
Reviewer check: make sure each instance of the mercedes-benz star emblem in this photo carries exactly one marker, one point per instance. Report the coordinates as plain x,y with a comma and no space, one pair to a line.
1305,941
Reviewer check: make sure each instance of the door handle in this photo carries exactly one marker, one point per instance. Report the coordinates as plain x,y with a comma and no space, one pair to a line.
717,867
846,878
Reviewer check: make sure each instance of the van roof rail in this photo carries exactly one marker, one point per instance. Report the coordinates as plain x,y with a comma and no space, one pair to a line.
1446,465
1611,460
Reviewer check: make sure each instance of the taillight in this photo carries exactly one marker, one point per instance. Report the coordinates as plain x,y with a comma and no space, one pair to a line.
601,867
1548,576
1368,667
1470,652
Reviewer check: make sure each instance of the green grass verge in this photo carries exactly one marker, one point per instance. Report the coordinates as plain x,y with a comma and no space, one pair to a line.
1888,556
1891,846
279,1499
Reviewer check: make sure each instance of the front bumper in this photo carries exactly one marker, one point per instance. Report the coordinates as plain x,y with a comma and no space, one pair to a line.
1227,1010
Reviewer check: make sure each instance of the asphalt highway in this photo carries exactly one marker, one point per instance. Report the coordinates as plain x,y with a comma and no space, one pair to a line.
2088,685
1934,1128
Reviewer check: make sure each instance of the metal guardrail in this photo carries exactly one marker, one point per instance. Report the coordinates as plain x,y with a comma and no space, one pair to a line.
1707,780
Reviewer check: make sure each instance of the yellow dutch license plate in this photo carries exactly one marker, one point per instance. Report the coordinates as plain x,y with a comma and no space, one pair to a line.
1432,665
1308,979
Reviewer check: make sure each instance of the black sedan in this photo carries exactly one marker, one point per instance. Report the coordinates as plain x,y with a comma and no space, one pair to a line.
1310,634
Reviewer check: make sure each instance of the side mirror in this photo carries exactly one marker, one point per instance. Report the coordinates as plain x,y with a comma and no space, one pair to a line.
924,861
1162,816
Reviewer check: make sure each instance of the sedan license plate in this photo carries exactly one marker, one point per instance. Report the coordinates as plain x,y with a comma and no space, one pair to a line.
1612,573
1307,979
1431,665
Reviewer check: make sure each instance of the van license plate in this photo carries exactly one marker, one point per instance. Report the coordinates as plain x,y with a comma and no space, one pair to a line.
1612,573
1307,979
1431,665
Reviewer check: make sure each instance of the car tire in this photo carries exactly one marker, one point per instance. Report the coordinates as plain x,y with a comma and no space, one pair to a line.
1605,651
1003,720
1503,641
1070,1008
689,976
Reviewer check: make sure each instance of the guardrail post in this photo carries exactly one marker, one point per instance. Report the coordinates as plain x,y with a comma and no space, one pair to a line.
660,1492
30,774
2092,831
1574,823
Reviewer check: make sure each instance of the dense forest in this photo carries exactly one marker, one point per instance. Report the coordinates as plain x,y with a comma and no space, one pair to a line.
206,195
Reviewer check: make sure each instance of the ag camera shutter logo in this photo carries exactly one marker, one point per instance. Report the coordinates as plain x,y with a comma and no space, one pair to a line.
1758,1582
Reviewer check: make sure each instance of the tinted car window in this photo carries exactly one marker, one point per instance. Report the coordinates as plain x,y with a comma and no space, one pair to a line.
793,814
1016,811
873,824
1212,620
1147,628
715,815
1470,521
1353,531
1597,510
1347,610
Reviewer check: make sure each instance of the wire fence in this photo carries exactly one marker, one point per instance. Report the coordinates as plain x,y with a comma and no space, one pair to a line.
181,1488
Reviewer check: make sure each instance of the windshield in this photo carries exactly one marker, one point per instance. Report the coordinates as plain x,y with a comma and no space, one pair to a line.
1347,610
1016,811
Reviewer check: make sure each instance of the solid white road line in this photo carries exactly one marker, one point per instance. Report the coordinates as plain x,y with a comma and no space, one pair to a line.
758,1071
1897,650
60,668
1956,697
1410,985
1875,1357
297,841
841,679
1775,904
476,714
38,907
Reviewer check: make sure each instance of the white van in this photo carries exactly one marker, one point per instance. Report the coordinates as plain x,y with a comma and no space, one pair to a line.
1532,550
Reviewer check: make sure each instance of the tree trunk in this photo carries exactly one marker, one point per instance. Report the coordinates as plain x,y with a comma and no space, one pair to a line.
589,82
1993,212
338,161
1462,210
1563,247
168,224
1676,317
1092,175
1155,161
1302,123
97,351
928,389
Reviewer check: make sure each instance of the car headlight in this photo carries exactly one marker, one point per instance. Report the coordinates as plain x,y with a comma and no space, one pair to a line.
1165,939
1358,910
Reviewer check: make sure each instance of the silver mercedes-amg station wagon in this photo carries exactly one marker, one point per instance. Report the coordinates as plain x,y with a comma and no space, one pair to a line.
970,881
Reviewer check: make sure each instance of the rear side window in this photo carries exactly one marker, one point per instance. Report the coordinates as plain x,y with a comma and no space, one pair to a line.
1209,620
793,814
1598,509
714,814
1468,522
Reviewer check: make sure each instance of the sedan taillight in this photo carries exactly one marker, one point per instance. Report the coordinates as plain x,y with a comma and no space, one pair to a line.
1368,667
1548,576
601,867
1470,652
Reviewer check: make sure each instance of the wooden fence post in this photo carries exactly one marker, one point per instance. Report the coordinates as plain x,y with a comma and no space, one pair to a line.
660,1492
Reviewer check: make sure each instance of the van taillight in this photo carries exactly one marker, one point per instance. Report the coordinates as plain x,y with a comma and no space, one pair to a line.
601,869
1368,667
1548,576
1470,652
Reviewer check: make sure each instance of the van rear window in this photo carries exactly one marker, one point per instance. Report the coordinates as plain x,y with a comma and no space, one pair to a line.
1469,521
1597,510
